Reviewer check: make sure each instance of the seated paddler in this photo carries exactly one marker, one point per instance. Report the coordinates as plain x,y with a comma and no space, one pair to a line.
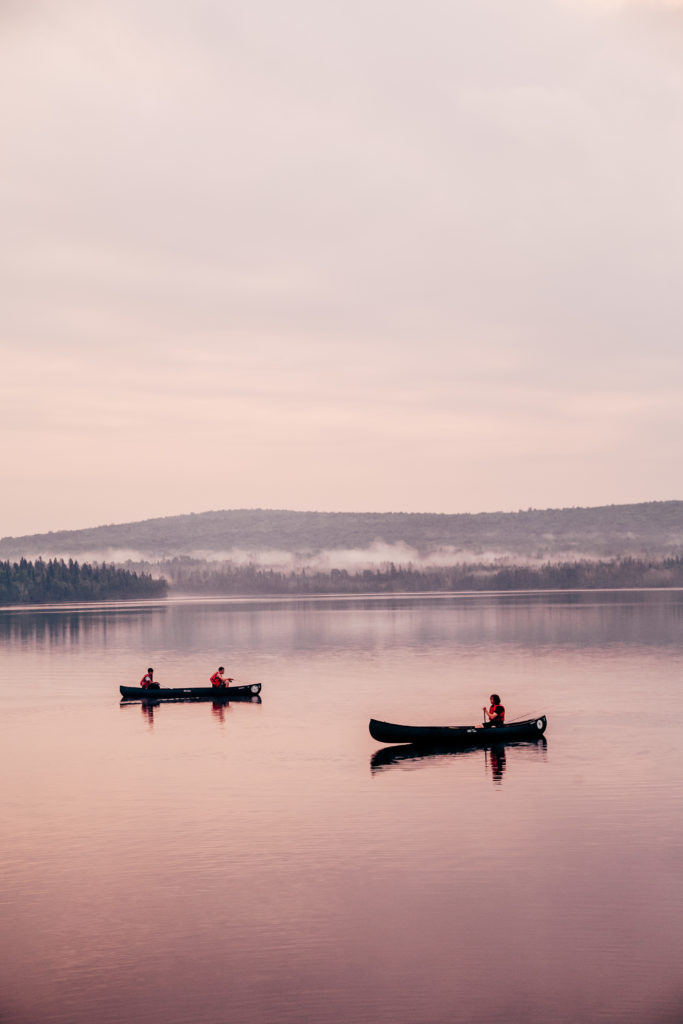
147,681
495,713
219,680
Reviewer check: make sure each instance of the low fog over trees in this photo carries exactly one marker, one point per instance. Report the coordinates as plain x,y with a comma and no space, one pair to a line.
188,576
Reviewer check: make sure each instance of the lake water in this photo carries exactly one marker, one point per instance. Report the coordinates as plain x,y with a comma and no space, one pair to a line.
198,864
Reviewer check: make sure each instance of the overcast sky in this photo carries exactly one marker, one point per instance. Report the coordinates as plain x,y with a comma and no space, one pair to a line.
371,256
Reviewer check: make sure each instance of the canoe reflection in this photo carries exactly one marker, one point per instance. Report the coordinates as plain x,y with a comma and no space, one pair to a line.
409,756
497,762
149,706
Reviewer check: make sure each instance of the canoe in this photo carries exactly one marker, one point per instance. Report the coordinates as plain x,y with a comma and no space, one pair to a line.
458,735
246,692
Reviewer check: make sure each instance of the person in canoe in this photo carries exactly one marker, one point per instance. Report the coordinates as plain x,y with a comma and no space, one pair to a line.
147,681
218,679
495,713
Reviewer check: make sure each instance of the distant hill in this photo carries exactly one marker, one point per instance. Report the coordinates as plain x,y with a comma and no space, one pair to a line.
652,529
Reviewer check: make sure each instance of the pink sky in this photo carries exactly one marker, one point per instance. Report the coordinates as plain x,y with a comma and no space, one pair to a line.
376,257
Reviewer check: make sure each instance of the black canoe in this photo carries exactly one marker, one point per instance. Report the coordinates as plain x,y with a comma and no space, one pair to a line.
457,735
247,692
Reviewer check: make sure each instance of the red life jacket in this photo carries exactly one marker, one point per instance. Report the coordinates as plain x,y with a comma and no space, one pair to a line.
216,679
146,681
497,714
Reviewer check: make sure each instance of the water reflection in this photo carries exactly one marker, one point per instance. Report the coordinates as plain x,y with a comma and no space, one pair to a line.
74,627
218,709
467,620
149,706
496,761
410,756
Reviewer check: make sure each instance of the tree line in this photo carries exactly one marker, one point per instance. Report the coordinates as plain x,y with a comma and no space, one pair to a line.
190,576
40,582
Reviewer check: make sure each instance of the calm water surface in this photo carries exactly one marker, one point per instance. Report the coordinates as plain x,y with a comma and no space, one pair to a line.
264,863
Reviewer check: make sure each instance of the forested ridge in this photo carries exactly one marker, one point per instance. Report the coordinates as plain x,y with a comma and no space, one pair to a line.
649,529
275,552
40,582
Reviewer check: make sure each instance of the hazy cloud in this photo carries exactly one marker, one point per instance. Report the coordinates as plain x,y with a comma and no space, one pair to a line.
371,256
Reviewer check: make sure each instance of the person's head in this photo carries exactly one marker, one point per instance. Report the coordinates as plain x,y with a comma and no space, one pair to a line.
150,670
494,698
221,669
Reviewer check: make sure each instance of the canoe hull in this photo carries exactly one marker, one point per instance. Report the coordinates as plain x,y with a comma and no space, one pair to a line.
455,737
214,693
